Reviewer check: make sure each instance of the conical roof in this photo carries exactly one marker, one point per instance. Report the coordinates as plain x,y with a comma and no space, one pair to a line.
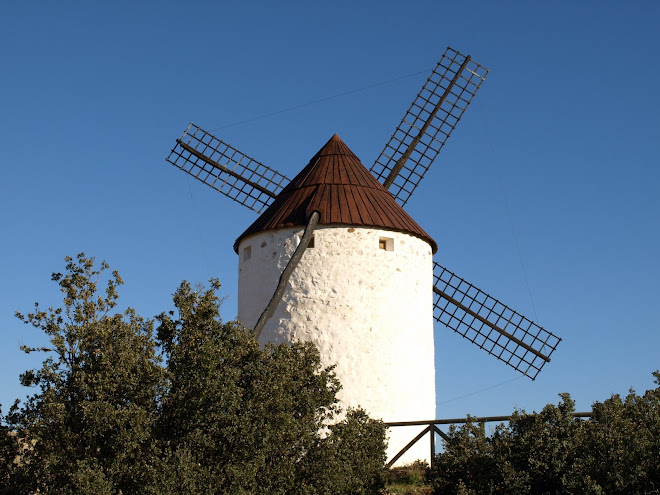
343,191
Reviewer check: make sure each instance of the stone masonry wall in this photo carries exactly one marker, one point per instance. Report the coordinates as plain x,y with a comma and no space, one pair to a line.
369,310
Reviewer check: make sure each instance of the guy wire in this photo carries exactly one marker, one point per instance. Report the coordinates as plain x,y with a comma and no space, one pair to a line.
479,391
506,206
295,107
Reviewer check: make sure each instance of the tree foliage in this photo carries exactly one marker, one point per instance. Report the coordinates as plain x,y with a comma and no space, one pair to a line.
182,404
616,451
89,425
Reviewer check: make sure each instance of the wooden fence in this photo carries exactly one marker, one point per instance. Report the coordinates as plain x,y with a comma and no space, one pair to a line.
432,429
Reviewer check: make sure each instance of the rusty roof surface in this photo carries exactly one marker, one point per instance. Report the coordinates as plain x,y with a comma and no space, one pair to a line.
343,191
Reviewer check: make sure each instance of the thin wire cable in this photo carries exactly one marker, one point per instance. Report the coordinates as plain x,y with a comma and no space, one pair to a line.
296,107
199,229
480,391
506,205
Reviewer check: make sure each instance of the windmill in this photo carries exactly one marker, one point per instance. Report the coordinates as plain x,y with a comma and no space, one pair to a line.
366,290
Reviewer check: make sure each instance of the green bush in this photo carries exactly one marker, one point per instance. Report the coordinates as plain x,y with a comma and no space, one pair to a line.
617,451
191,406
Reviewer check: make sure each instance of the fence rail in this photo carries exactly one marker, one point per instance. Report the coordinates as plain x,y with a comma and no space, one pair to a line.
432,429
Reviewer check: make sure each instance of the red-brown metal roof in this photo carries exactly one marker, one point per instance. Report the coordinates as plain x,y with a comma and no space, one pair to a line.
343,191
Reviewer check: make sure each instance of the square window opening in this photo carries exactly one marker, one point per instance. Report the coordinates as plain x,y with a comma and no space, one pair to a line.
386,243
247,253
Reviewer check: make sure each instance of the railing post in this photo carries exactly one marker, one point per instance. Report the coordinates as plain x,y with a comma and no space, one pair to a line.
410,444
432,429
432,433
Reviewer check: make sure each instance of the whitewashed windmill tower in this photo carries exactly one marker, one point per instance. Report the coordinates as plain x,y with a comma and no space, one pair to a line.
361,282
362,293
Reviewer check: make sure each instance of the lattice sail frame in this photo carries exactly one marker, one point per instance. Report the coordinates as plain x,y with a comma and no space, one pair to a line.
225,169
529,361
401,166
428,123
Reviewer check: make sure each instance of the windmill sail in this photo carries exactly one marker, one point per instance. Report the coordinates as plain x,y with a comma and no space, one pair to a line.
428,123
225,169
494,327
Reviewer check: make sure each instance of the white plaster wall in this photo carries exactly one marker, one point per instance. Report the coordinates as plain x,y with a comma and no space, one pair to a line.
367,309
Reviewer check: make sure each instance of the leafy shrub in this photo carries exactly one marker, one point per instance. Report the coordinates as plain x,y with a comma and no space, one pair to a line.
193,406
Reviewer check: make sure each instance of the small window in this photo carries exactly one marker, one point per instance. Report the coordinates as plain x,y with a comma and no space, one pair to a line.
247,253
386,243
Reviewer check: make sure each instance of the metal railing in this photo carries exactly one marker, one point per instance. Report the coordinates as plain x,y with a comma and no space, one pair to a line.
432,429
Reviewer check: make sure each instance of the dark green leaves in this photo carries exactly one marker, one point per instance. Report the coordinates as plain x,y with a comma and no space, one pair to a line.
193,407
616,451
240,419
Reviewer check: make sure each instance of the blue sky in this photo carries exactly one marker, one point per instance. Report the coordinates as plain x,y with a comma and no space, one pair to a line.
562,146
